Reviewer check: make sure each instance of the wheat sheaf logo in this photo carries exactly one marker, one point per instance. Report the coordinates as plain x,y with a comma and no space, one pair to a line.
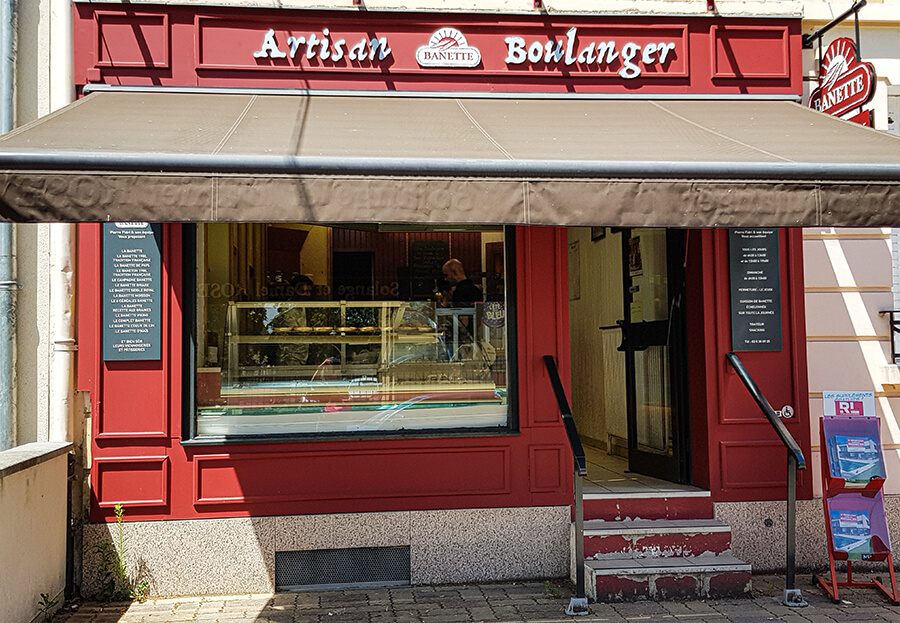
448,47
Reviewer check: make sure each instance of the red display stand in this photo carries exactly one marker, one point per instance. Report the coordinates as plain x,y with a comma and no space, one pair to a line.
853,475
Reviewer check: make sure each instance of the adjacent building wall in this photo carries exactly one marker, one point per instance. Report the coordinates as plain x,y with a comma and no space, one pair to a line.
32,528
848,272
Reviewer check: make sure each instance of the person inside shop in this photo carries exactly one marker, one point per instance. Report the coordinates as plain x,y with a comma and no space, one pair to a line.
464,291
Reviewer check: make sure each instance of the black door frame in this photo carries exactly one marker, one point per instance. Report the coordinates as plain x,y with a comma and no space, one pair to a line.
672,332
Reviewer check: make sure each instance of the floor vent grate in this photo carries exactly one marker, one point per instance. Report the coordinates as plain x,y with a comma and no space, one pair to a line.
342,568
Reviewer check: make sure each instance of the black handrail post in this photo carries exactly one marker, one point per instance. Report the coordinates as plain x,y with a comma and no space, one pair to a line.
792,595
577,605
791,527
579,547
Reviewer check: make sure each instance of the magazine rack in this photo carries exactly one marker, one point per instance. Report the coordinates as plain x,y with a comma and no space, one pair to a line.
853,475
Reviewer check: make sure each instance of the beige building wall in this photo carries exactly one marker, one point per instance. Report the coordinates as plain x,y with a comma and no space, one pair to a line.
32,528
32,243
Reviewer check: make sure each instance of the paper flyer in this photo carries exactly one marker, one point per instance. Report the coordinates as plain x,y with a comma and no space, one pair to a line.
851,531
857,459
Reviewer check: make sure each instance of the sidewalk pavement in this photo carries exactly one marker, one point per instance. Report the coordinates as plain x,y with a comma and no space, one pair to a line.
514,602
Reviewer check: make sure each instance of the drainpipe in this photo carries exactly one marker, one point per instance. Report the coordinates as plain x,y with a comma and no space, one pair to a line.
62,425
62,237
7,285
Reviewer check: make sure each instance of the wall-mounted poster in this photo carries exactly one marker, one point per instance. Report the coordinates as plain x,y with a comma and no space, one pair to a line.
132,303
574,272
755,289
635,263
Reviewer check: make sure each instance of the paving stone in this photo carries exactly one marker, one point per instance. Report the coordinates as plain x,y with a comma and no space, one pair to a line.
446,618
515,602
482,613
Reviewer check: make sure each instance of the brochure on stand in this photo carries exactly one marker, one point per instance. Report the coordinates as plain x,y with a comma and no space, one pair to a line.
851,531
856,459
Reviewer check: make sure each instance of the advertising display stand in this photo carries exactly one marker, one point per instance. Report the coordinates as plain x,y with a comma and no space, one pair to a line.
853,475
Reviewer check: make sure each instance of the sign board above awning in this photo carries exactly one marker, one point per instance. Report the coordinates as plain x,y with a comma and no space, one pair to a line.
162,155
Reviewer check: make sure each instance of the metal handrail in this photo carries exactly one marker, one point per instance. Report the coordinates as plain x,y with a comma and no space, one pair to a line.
789,442
568,421
792,595
577,604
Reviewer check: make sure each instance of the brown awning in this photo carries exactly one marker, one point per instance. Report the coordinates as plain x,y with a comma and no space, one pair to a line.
163,155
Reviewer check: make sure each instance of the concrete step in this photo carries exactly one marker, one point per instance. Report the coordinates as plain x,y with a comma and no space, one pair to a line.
694,577
655,538
653,505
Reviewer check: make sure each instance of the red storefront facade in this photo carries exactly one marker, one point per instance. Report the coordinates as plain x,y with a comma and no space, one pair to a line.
469,489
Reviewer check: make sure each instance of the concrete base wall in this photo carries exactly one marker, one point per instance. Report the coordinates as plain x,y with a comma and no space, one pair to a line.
228,556
764,546
32,528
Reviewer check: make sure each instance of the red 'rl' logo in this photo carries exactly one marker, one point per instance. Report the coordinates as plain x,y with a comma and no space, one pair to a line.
848,407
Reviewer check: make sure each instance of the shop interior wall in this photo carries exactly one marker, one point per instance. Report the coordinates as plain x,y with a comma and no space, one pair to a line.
595,304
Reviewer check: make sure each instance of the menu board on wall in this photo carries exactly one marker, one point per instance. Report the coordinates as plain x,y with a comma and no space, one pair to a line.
132,309
426,260
755,289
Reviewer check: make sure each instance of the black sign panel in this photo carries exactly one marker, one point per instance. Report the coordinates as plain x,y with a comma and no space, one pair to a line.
132,308
426,261
755,289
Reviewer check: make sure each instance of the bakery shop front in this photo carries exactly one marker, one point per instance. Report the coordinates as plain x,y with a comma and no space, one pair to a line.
323,254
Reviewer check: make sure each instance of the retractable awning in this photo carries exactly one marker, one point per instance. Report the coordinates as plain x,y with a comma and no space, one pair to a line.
161,155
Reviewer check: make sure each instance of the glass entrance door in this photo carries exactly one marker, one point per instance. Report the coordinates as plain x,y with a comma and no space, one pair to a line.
653,340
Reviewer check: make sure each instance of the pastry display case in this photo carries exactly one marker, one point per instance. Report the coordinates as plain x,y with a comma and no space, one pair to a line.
380,352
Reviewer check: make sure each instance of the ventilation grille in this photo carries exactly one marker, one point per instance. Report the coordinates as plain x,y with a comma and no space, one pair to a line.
342,568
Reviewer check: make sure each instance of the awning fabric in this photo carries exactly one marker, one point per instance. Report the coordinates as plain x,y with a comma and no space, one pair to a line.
160,155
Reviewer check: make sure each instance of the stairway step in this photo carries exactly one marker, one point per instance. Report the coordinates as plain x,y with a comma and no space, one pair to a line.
695,577
659,505
655,538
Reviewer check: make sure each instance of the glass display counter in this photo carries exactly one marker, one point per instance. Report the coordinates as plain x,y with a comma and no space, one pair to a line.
319,366
305,341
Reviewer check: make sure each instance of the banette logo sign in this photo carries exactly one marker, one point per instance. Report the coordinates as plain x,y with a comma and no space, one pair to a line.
448,47
845,83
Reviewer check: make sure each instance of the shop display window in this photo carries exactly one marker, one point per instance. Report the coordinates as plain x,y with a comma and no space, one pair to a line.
313,329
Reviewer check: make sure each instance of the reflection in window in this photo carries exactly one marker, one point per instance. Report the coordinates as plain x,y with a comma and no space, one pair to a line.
312,329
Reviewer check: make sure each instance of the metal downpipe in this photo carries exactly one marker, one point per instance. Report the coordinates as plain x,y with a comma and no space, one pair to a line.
7,285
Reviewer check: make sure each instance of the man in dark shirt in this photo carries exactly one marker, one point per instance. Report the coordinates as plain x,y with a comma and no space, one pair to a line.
465,292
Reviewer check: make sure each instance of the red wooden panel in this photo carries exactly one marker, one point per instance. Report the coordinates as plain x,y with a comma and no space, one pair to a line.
753,464
546,464
136,397
132,39
542,264
134,400
289,476
214,46
730,416
750,52
88,294
131,481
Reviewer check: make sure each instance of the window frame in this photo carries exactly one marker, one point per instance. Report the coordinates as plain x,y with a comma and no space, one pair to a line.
189,436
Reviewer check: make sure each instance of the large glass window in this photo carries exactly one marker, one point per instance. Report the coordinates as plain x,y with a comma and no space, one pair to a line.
305,329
